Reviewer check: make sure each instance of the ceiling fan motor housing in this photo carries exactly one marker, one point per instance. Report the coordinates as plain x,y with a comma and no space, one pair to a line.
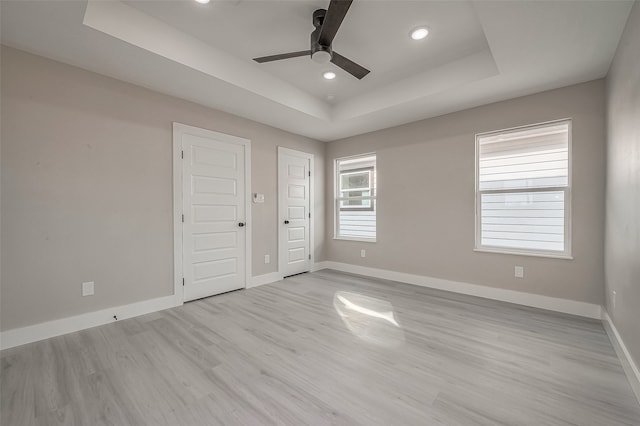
319,53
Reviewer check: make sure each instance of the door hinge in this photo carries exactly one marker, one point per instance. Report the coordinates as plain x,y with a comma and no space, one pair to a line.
309,214
182,218
309,257
182,154
183,281
309,172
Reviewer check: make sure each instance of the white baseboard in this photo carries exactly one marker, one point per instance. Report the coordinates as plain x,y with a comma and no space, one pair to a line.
263,279
33,333
628,364
318,266
273,277
45,330
573,307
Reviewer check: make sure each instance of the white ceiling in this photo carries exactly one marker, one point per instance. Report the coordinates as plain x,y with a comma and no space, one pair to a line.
478,52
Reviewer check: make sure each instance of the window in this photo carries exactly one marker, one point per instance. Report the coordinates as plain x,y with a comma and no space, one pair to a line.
523,187
356,198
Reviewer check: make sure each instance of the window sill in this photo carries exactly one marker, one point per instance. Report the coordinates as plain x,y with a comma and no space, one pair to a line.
528,253
362,240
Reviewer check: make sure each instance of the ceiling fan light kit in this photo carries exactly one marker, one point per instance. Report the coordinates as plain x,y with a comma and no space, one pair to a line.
321,56
326,23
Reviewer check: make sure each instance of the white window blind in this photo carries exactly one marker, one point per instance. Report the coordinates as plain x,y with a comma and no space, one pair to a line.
356,197
523,184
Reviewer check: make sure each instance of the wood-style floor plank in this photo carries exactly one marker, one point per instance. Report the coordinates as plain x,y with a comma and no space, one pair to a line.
326,348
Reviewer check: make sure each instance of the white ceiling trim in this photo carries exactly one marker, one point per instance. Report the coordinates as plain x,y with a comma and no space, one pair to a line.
132,26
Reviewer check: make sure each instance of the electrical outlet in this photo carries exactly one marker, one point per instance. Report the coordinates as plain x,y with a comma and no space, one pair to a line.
267,258
519,272
613,299
88,288
363,253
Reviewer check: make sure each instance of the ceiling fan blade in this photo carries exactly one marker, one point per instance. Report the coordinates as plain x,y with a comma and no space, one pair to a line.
349,66
282,56
332,20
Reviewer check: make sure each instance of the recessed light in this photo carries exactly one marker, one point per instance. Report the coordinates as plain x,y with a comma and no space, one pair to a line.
329,75
419,33
203,1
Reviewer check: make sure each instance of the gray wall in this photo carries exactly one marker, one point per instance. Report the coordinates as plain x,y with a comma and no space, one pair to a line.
426,183
86,192
87,188
622,246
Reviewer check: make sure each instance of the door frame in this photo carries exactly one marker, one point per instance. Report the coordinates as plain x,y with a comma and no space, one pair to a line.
310,158
180,129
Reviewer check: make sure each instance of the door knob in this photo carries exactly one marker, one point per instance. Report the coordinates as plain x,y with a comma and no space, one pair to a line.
286,222
241,224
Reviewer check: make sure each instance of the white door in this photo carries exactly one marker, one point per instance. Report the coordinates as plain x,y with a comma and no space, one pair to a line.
294,170
214,205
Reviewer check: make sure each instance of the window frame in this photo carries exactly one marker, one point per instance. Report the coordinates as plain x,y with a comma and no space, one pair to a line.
567,252
369,189
337,198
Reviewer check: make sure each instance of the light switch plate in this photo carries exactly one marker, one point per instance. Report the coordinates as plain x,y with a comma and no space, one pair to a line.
88,288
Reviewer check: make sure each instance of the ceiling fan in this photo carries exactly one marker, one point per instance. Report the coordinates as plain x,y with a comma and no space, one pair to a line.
327,23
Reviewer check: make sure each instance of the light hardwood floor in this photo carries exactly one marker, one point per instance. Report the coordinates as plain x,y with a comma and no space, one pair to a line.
325,348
